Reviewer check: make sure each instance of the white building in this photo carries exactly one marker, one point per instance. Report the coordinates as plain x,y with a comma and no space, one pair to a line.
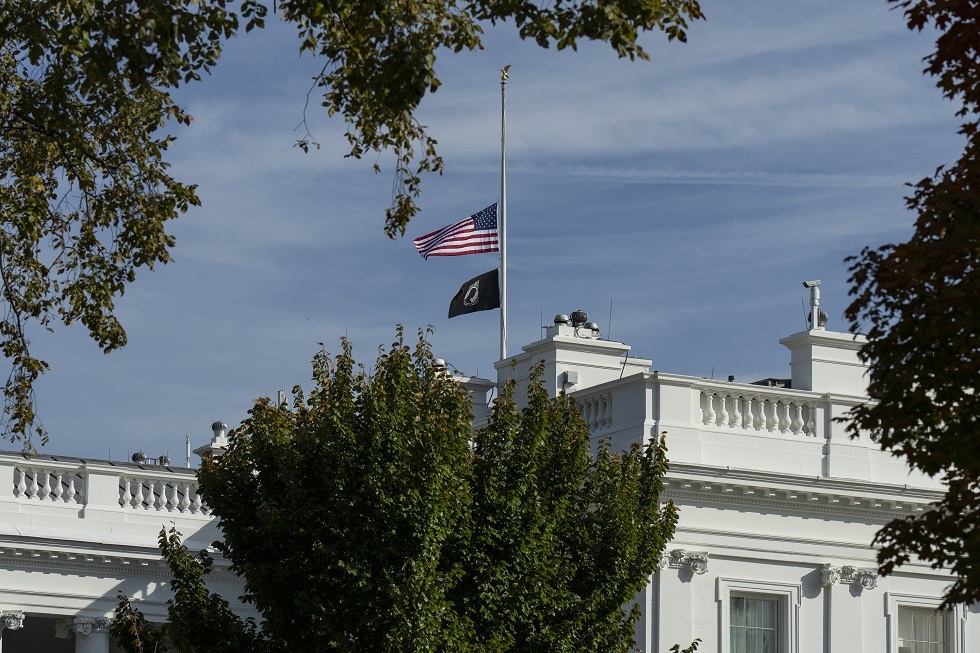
772,552
778,504
76,533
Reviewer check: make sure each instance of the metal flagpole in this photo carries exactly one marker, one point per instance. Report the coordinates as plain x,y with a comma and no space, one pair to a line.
502,212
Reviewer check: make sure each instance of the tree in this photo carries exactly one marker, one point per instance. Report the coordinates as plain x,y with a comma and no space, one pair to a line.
86,105
918,303
366,517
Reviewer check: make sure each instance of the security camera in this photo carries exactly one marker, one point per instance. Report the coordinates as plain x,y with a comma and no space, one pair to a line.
811,284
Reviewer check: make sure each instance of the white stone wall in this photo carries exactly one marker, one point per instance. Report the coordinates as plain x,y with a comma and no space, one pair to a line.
777,500
74,534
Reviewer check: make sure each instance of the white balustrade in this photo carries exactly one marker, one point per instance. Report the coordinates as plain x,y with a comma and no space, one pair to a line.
596,411
46,484
160,494
745,409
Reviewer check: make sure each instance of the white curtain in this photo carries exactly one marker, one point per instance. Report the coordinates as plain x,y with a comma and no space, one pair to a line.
754,625
921,631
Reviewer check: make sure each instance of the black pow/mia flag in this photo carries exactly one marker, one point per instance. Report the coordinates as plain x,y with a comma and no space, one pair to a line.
480,293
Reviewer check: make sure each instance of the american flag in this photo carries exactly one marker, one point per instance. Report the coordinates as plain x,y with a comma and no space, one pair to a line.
476,234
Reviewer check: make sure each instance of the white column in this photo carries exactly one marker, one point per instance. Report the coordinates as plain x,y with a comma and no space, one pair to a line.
844,587
675,618
91,635
10,621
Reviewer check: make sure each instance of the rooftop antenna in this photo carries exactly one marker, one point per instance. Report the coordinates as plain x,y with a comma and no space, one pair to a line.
188,451
806,320
609,327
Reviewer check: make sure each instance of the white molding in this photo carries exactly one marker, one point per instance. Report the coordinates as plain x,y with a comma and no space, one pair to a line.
790,597
820,492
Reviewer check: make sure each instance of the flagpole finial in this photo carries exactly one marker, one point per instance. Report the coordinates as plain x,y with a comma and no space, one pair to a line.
504,73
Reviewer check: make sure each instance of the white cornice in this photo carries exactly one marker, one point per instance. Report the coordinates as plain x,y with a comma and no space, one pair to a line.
795,492
109,560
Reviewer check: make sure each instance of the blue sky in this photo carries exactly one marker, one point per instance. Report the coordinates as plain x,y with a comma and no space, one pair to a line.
694,193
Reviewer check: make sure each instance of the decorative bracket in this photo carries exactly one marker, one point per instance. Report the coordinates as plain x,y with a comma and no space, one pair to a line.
89,625
63,628
847,574
11,620
696,560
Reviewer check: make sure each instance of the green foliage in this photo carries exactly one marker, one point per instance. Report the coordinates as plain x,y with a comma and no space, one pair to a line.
366,517
336,512
85,101
676,648
917,302
380,61
218,629
560,539
84,189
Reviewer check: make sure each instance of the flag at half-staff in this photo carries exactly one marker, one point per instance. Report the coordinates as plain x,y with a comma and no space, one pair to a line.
480,293
476,234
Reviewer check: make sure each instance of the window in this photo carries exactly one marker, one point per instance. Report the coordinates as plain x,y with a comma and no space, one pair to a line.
754,624
759,616
921,630
916,625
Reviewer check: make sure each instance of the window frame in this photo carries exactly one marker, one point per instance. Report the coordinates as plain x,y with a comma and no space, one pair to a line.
788,598
954,626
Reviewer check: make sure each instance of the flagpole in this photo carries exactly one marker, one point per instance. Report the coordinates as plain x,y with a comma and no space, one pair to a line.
503,212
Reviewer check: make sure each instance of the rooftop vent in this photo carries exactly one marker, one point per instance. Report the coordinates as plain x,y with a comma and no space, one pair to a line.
141,458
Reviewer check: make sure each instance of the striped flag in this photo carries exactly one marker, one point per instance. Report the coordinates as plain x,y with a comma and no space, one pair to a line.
476,234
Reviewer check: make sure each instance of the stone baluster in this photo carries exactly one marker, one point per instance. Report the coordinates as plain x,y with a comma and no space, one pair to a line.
797,424
723,408
759,414
171,490
196,502
811,424
71,492
57,490
159,489
34,487
46,488
184,491
784,420
138,493
736,413
21,488
126,500
709,409
768,414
